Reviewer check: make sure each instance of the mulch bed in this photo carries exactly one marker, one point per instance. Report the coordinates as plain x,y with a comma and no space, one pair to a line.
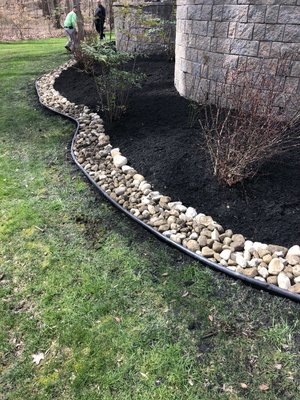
158,142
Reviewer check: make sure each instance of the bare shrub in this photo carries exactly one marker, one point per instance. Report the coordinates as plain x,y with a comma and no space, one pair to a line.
246,120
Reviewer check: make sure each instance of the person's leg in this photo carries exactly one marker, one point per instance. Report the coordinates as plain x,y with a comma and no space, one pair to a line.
73,38
68,44
101,30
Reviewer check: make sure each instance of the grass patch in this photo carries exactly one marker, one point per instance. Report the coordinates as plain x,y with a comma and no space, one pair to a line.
116,313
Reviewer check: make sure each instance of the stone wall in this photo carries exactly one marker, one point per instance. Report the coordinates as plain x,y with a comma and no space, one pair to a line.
145,27
216,35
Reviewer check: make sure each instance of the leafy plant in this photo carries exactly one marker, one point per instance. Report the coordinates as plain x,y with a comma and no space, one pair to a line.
114,81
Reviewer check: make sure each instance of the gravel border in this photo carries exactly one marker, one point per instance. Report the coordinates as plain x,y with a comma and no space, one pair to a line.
271,267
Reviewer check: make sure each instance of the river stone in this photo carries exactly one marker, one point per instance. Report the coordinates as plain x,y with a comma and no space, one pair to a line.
119,161
120,190
237,245
193,236
296,270
260,278
293,259
241,261
227,240
190,213
267,258
115,152
168,233
250,272
295,288
294,251
217,247
207,252
276,266
254,262
263,272
283,281
203,219
225,254
193,245
272,279
274,248
215,235
202,240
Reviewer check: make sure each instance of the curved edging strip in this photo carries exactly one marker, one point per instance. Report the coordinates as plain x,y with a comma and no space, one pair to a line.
253,282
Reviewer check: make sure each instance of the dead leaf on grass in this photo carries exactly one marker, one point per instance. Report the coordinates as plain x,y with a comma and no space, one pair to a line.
185,294
211,318
118,319
263,387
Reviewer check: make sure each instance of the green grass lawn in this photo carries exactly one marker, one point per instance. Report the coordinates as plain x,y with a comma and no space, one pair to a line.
115,313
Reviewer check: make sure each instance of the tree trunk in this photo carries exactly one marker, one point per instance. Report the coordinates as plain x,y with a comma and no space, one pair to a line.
80,22
56,14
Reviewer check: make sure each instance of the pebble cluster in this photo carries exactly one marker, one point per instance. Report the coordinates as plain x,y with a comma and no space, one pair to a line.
276,265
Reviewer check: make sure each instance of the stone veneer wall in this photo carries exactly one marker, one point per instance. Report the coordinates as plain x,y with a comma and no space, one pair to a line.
136,33
214,35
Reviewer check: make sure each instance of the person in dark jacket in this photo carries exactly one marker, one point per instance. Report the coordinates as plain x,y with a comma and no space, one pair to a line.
100,15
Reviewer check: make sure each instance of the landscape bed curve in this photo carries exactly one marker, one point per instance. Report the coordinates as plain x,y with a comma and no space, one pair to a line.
270,267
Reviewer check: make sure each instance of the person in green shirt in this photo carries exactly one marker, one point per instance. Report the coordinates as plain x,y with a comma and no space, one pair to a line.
70,28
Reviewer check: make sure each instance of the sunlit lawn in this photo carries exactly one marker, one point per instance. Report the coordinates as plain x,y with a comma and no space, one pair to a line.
94,307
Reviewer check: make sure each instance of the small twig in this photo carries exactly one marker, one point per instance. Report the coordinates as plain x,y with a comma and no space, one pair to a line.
208,335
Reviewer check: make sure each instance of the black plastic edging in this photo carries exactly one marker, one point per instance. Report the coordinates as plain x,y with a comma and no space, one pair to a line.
253,282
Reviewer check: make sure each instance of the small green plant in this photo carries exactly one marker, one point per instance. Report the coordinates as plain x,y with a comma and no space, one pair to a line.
114,81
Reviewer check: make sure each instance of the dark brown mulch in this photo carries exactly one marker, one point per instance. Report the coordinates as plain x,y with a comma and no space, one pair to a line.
156,138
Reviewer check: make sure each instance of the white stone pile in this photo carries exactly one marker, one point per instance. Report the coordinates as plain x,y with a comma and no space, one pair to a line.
275,265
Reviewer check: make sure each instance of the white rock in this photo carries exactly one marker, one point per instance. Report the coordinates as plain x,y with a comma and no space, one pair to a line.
119,161
215,235
190,213
275,266
297,279
126,168
169,233
194,236
138,177
241,261
263,272
283,281
181,208
260,278
294,251
248,245
115,152
259,245
247,255
225,254
203,219
254,262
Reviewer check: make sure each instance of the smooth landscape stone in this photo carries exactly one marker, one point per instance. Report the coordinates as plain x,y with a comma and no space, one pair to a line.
250,272
119,161
283,281
207,252
190,213
294,288
193,245
275,266
294,251
225,254
296,270
263,272
292,259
